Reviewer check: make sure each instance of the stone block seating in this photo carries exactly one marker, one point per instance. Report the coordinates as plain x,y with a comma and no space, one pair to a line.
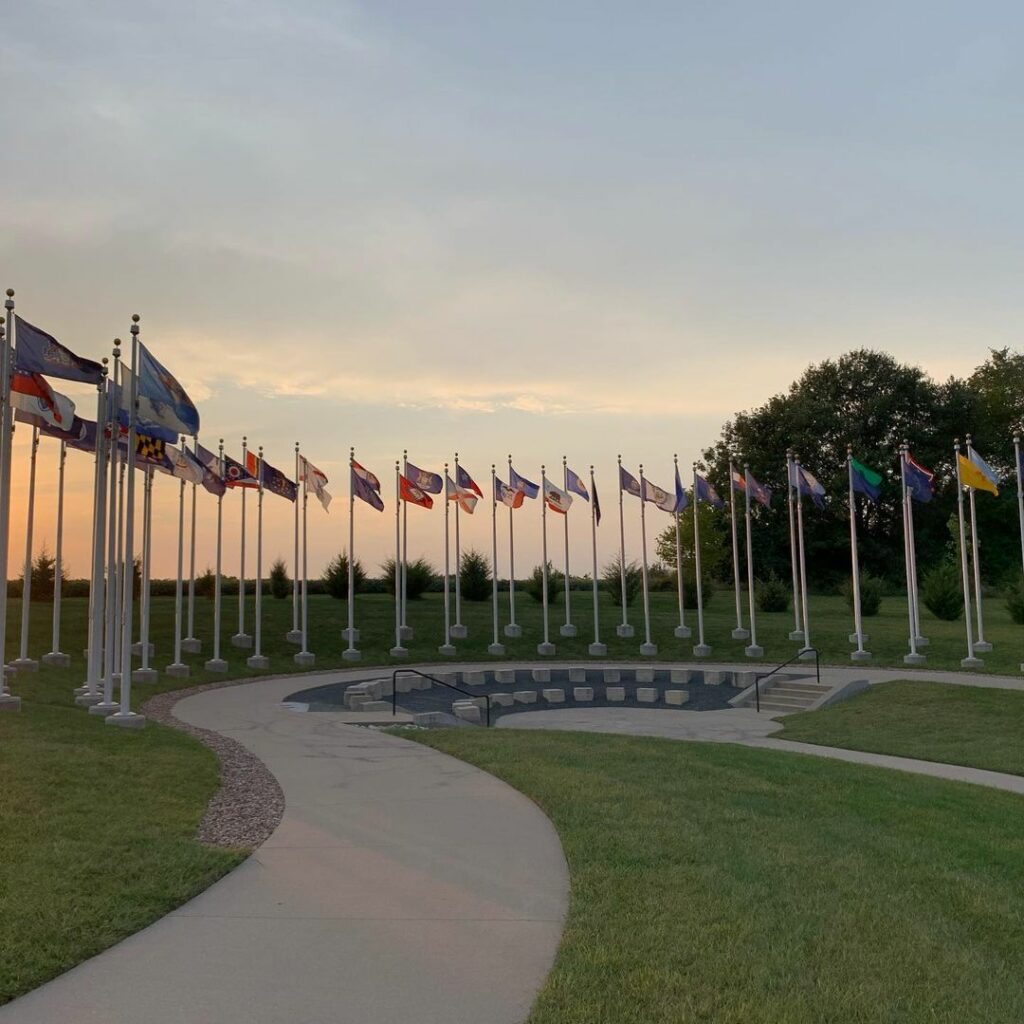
612,675
615,694
582,693
577,675
502,700
646,695
645,675
676,697
541,675
554,696
525,696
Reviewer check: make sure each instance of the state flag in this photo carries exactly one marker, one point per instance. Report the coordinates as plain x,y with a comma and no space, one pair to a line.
759,492
557,499
412,494
33,395
918,480
424,479
35,351
466,482
363,489
575,484
703,491
463,495
507,495
865,480
659,496
628,483
520,483
315,481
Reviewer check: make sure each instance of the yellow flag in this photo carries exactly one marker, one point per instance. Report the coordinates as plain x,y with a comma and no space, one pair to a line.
971,476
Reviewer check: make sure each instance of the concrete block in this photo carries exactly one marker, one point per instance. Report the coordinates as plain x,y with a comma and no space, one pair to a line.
404,684
541,675
468,713
684,675
428,719
615,694
743,679
647,695
582,693
714,677
612,675
525,696
377,706
554,696
502,700
474,678
645,675
676,697
505,676
421,683
577,675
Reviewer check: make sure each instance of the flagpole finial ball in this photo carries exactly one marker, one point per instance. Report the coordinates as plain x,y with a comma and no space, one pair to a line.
221,441
10,293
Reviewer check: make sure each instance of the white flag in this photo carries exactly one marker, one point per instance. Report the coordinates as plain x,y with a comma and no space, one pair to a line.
660,497
463,495
557,499
315,480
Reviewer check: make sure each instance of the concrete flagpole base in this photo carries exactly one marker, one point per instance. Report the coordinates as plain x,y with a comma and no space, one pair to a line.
754,651
258,661
177,669
398,652
191,645
127,720
145,675
860,656
79,690
624,630
567,629
702,651
350,636
649,650
137,649
496,649
797,635
9,703
597,650
406,632
103,709
806,654
853,638
739,633
242,640
983,645
921,641
87,700
513,630
459,631
305,658
25,665
914,659
971,663
56,659
547,649
682,632
216,665
351,654
294,636
448,650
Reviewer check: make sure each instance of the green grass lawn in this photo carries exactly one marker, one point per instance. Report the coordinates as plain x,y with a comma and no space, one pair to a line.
935,722
719,883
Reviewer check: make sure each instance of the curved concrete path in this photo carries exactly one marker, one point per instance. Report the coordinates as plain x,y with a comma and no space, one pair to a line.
402,887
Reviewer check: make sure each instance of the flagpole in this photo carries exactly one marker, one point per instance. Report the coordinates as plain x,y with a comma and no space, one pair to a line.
217,663
919,640
119,549
350,634
647,648
752,650
981,644
568,629
913,658
192,644
546,647
178,667
702,650
970,661
682,631
623,629
513,629
23,663
241,638
803,564
55,657
294,635
398,651
258,659
145,674
458,630
447,648
798,629
597,649
496,647
7,701
88,694
305,657
858,623
406,633
1020,490
739,633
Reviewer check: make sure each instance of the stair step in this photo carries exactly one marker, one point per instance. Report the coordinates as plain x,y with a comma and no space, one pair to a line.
790,691
789,702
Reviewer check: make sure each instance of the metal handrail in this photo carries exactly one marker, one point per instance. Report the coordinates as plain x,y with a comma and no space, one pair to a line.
767,675
433,679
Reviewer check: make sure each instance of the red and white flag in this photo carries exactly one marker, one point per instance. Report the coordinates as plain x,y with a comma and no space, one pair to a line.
466,498
315,480
557,499
33,395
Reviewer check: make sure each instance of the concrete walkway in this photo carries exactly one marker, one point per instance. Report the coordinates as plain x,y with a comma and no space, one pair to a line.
401,886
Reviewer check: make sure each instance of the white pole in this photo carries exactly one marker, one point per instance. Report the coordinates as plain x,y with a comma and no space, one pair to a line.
682,631
739,633
191,643
513,629
981,644
351,653
970,661
406,631
496,646
447,647
398,651
702,650
568,629
798,629
752,650
304,657
597,648
458,630
647,648
803,558
145,674
913,658
546,646
241,638
120,579
1020,491
24,663
858,623
217,663
919,640
178,668
294,635
55,657
623,629
6,432
258,659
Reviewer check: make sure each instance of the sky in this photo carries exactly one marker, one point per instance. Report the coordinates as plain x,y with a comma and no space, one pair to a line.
545,229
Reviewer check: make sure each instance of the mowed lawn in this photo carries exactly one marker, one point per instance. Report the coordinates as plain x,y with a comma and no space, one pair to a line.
715,883
968,725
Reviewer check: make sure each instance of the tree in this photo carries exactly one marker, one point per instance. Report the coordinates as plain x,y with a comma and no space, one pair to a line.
475,576
535,584
44,567
280,584
420,577
611,578
206,584
335,576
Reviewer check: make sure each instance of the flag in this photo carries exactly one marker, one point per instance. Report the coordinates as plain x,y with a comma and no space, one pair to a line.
519,483
184,465
424,480
575,484
273,480
597,508
236,475
413,494
161,399
33,395
738,482
759,492
507,495
151,450
865,480
658,495
919,480
81,435
992,475
681,499
557,500
212,479
466,482
36,351
463,495
365,486
628,483
703,491
807,483
972,475
315,480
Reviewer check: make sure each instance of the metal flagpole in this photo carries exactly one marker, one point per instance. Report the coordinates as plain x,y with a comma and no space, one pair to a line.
803,558
701,650
7,701
458,630
919,640
1020,490
23,663
798,629
740,632
305,657
294,635
981,644
350,634
178,668
512,629
406,632
597,649
217,663
398,651
241,638
192,644
682,631
119,579
568,629
913,658
145,674
54,656
545,647
647,647
258,659
623,629
858,624
970,661
447,647
752,650
88,694
496,646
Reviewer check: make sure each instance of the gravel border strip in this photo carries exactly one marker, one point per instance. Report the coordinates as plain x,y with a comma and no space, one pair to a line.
249,804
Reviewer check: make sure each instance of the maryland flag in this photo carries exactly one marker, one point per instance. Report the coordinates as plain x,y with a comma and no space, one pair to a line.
150,449
413,494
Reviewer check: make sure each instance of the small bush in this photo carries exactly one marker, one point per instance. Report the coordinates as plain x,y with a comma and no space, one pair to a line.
870,594
610,577
475,577
419,578
335,577
1015,602
535,584
280,584
772,595
941,592
206,584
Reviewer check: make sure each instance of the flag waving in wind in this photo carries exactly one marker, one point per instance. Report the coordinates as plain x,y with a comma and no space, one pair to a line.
575,484
424,479
511,496
991,475
808,484
659,496
703,491
315,480
365,486
463,495
759,492
273,479
413,494
236,475
519,483
681,499
466,482
38,352
972,475
162,400
33,395
864,480
919,480
628,483
557,499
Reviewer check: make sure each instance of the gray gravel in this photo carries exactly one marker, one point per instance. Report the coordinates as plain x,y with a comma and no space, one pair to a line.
249,804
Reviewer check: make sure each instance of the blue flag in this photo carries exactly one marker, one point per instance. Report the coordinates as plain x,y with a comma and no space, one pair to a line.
423,479
38,352
161,399
575,484
808,484
520,483
628,483
759,492
703,491
681,499
919,480
363,489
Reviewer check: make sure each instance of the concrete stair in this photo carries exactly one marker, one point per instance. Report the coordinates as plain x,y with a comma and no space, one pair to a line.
790,695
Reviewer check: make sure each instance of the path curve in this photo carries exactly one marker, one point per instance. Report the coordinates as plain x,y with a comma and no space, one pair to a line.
401,886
